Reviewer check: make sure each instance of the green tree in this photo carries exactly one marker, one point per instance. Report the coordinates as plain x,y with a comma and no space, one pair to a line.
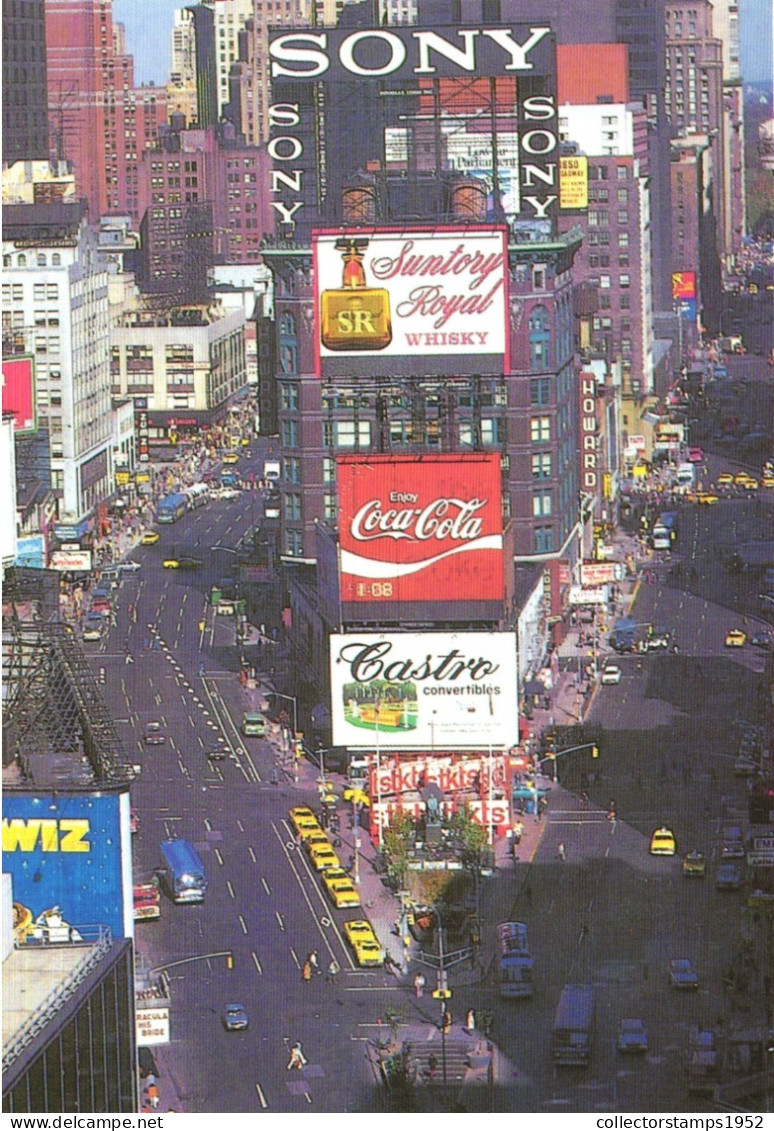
398,841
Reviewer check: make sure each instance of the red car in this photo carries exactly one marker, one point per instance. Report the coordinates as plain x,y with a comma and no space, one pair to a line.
695,455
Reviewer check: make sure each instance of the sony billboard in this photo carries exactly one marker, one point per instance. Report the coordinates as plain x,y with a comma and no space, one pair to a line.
491,91
392,302
424,690
418,532
342,54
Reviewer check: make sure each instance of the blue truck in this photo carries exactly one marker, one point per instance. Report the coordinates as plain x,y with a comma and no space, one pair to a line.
187,881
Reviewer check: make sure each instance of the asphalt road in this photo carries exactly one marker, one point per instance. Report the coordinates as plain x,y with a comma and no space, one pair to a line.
264,906
611,914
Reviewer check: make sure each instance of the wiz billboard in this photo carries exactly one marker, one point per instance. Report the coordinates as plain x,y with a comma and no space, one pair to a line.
430,690
70,853
393,302
420,530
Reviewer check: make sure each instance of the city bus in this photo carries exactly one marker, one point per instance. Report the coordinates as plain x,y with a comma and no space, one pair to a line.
572,1032
187,881
515,960
172,507
198,494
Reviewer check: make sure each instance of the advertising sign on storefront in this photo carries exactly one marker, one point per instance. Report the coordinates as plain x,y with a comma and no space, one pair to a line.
153,1026
416,529
75,561
427,690
600,573
405,302
65,851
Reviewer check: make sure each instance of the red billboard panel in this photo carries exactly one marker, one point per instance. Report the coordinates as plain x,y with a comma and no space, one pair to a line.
19,392
683,284
423,529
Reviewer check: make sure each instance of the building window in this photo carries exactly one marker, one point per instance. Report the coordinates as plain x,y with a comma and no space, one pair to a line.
542,465
289,396
540,429
540,391
544,539
292,506
289,433
292,469
542,505
539,339
294,543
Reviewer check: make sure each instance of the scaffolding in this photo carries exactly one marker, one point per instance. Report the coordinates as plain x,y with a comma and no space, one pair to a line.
57,732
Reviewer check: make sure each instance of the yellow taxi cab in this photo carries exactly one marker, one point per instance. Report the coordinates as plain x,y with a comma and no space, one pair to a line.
741,478
323,856
767,481
231,457
706,498
736,638
304,821
725,479
751,483
150,538
662,842
340,888
360,936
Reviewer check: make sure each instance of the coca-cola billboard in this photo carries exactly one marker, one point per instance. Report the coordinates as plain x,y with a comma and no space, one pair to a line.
424,690
420,530
394,302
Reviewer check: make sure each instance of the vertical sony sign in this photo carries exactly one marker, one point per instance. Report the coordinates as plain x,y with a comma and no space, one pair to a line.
588,430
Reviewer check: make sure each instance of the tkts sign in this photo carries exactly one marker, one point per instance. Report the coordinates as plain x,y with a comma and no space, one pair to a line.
425,529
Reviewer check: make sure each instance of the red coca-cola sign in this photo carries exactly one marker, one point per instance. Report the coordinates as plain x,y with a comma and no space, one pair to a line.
426,529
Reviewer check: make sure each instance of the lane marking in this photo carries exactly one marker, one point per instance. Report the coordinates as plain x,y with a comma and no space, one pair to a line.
252,853
230,889
266,887
258,966
280,920
242,924
261,1097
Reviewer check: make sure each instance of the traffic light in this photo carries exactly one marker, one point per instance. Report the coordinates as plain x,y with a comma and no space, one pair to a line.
594,751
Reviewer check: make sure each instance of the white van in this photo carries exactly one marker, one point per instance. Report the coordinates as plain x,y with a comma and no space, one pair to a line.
686,475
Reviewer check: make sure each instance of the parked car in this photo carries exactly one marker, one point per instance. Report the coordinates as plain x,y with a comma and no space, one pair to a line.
93,627
682,975
632,1035
730,875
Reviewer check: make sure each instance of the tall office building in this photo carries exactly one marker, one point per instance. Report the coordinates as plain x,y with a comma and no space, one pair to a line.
25,117
99,121
181,87
55,285
244,82
725,25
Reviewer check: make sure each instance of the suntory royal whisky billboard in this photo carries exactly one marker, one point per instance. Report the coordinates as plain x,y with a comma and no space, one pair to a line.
398,302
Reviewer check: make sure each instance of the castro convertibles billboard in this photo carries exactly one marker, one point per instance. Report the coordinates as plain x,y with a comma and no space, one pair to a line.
69,856
430,302
424,690
415,531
